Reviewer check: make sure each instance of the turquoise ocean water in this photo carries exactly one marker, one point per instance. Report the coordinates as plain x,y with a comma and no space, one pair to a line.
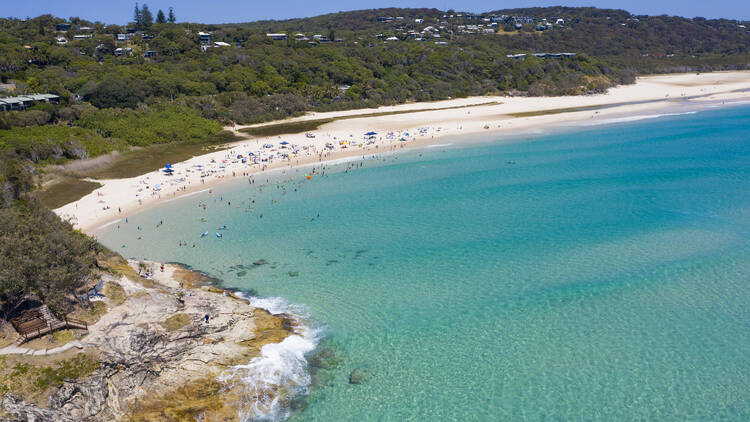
598,274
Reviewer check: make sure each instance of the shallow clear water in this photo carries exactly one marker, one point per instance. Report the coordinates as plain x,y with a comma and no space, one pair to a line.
594,275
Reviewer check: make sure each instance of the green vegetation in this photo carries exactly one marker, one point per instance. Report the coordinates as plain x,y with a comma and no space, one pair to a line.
147,127
41,256
256,79
74,368
31,379
55,143
65,190
176,321
63,336
115,293
285,128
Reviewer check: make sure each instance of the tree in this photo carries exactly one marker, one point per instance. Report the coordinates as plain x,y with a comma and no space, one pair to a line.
160,18
138,17
147,19
171,17
42,256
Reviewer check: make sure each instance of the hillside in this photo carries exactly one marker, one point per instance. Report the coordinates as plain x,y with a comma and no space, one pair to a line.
235,72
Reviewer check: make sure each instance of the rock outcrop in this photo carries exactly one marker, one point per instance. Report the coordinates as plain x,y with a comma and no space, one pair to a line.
143,355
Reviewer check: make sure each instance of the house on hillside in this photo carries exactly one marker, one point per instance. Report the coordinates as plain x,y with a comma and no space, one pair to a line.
124,37
60,40
79,37
25,101
149,53
221,44
204,37
62,27
277,37
127,51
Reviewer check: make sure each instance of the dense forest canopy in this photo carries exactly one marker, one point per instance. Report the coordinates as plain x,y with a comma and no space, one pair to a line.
343,60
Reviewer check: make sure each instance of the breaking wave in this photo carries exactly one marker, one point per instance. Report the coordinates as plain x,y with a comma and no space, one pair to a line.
269,382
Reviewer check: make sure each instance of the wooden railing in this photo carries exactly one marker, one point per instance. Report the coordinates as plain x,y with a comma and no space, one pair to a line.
36,323
74,321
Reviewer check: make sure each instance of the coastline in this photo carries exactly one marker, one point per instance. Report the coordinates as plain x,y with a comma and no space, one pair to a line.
446,121
187,351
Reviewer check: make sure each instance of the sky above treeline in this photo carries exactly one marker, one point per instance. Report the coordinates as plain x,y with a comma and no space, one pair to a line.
223,11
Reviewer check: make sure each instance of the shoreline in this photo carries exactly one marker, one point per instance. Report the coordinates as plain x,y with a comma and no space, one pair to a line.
455,123
191,347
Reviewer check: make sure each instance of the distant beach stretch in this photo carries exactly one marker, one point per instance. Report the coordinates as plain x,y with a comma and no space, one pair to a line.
361,133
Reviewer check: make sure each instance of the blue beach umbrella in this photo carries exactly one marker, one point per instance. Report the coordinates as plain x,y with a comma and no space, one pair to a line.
284,143
371,133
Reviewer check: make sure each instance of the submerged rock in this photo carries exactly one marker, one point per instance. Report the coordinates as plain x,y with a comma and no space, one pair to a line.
260,262
357,376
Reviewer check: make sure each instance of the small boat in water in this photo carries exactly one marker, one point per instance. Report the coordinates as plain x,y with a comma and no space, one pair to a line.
218,235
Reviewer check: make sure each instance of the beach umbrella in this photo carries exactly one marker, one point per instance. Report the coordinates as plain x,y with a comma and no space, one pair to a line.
371,133
284,143
168,165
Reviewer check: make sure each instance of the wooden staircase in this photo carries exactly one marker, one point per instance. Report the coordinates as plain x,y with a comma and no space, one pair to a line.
40,321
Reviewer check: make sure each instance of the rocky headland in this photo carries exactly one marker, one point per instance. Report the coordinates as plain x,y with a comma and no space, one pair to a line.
156,353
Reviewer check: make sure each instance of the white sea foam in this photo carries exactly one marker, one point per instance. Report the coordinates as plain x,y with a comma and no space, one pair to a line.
188,194
269,381
438,145
108,224
636,118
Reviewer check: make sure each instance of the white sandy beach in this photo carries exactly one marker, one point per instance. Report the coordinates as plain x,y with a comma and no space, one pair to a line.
650,96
